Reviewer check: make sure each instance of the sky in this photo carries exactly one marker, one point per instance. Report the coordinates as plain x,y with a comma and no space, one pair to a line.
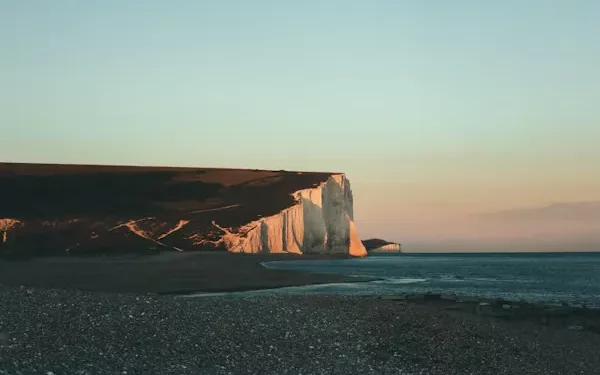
437,112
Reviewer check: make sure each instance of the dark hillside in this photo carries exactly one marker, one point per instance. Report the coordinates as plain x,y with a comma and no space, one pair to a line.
63,209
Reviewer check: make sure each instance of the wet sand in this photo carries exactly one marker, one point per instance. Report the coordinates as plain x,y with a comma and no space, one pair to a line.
164,273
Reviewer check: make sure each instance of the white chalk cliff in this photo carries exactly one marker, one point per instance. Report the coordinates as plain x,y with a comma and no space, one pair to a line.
147,209
321,221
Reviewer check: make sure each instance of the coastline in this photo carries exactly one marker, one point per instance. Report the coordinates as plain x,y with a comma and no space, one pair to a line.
125,316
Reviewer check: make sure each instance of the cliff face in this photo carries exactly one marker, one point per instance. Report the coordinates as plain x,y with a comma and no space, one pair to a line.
54,210
321,221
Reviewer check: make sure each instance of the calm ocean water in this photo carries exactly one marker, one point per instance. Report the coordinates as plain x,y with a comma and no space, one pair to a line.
537,277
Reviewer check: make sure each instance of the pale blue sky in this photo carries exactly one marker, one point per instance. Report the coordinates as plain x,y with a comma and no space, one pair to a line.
420,102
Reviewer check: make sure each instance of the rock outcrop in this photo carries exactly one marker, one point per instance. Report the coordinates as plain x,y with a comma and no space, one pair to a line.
321,221
60,209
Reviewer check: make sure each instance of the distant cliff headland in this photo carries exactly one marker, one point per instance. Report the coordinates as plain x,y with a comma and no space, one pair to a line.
82,209
377,245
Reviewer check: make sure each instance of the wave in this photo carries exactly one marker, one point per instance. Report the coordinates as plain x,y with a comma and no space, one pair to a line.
277,291
484,280
488,279
196,295
403,280
324,286
451,278
458,278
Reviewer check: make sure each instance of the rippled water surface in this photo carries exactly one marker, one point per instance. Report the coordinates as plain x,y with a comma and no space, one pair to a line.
541,277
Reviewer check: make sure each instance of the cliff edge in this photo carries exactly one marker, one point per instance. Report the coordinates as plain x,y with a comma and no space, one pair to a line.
81,209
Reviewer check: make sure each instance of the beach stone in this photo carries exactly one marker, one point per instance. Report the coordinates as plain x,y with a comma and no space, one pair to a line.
393,298
453,307
432,296
274,334
449,297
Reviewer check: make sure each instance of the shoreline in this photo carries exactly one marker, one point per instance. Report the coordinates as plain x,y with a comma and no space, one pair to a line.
193,274
544,314
207,274
165,273
125,316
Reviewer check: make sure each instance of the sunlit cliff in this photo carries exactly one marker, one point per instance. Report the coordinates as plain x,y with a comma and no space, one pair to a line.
62,209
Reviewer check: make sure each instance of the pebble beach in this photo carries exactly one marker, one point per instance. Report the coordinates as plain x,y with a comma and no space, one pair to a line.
50,331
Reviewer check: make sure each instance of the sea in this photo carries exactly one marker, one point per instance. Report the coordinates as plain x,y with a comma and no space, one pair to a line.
550,278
